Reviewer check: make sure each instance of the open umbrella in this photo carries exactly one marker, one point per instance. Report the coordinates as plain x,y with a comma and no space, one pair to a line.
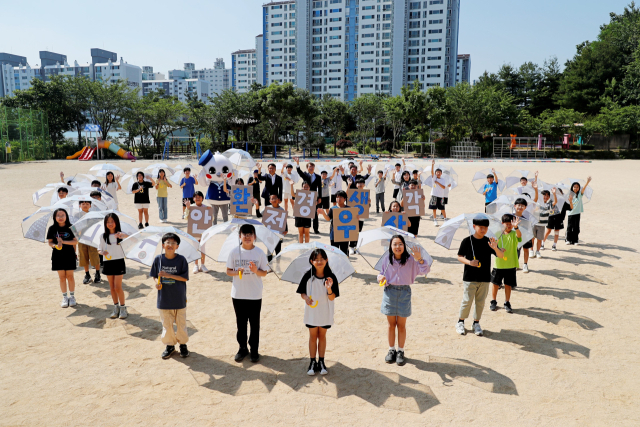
154,169
218,241
240,158
102,169
513,179
144,245
566,184
132,178
448,230
480,179
90,227
293,262
509,200
34,226
178,173
39,199
526,225
106,197
373,245
449,175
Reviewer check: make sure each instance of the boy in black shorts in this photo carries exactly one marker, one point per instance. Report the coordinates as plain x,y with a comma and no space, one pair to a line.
520,210
505,271
555,221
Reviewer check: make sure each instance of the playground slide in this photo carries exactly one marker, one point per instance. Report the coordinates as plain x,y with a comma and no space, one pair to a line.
78,154
114,148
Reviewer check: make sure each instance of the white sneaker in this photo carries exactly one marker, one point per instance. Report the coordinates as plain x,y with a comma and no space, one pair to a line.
123,313
204,269
525,268
477,329
116,312
575,244
65,302
542,247
435,223
182,216
566,242
351,252
553,248
538,254
460,328
72,301
196,269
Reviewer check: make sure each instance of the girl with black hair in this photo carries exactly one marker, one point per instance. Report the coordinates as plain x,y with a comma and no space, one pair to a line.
63,257
140,189
163,195
318,288
398,271
114,267
112,185
575,202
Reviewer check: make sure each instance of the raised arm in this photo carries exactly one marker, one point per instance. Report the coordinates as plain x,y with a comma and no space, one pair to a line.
585,186
495,175
360,169
535,188
555,197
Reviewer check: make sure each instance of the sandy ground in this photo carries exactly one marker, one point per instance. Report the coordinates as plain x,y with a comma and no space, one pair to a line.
566,356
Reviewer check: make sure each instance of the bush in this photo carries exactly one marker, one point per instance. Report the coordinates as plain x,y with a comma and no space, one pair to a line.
595,155
584,147
443,146
386,145
630,154
344,143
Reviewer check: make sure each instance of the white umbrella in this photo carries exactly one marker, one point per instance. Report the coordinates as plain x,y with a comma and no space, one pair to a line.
106,197
90,227
133,178
447,231
39,199
513,179
293,262
240,158
73,202
104,168
373,245
480,179
509,200
449,176
144,245
218,241
566,184
34,226
526,226
178,173
154,169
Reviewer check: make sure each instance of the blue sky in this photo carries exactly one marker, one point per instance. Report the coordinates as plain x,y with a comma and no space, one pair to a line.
166,34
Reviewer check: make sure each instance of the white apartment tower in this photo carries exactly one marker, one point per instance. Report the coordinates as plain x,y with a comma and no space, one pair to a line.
243,70
348,48
279,44
463,73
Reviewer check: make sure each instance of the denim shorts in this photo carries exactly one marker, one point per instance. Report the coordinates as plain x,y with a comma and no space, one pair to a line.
396,301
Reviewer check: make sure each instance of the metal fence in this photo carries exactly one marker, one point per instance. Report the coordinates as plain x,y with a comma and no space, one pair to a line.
519,147
465,150
24,134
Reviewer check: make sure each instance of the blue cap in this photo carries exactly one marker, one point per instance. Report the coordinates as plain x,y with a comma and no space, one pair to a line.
206,156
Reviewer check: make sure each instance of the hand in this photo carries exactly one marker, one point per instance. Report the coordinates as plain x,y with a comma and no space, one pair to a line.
515,222
328,283
588,179
308,300
493,243
239,270
474,263
103,253
536,175
259,166
534,184
433,162
297,160
158,286
59,241
493,171
342,169
187,203
117,178
553,190
163,274
61,174
381,278
415,253
368,167
253,267
119,235
320,211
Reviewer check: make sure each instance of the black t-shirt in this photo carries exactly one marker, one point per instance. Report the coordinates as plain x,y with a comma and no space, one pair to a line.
483,254
255,182
354,185
65,233
142,196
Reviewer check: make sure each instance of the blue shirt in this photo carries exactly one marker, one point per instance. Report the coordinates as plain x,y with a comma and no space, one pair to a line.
216,192
188,190
173,295
492,194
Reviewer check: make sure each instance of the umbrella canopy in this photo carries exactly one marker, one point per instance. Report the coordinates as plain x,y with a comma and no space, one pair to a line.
35,226
513,179
565,186
480,179
373,245
448,230
144,245
240,158
526,226
154,169
90,227
73,203
218,241
132,179
178,173
293,262
106,167
448,174
39,199
106,197
509,200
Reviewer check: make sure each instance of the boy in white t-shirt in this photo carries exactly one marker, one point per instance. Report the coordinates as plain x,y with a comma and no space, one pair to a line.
247,265
437,193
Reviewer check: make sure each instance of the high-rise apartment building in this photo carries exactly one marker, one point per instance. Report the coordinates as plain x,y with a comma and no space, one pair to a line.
463,73
347,48
279,45
243,69
180,88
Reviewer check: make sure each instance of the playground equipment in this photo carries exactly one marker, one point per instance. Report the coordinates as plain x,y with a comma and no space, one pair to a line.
180,147
24,135
465,150
92,146
519,147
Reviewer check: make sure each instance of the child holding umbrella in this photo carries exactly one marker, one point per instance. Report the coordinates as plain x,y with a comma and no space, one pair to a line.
398,271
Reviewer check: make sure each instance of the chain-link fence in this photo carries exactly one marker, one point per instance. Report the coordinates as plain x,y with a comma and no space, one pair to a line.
24,135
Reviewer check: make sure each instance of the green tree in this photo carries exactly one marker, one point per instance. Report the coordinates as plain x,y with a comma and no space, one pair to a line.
367,112
109,103
396,115
276,104
334,116
160,116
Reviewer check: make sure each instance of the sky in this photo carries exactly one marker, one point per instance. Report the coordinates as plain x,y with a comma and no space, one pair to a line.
166,34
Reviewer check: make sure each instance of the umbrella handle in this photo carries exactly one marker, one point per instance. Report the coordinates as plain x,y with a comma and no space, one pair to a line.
159,284
479,264
383,282
314,305
240,274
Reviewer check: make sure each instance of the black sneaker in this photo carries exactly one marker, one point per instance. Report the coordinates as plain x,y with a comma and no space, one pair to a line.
241,354
97,279
87,279
255,357
400,360
184,351
168,351
140,226
146,224
391,356
507,307
322,368
313,368
494,305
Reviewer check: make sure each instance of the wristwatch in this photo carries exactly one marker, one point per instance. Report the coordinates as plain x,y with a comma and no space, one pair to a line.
516,228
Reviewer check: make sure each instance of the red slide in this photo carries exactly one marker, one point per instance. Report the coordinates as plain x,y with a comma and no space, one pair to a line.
87,154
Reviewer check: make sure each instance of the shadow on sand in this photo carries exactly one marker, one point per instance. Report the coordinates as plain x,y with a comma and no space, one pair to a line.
561,294
541,343
557,317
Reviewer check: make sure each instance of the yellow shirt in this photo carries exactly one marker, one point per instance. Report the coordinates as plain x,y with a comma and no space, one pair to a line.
162,189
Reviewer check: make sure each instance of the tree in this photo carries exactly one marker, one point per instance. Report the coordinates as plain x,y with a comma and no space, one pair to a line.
334,116
160,115
276,104
53,98
395,114
366,110
109,103
78,99
308,114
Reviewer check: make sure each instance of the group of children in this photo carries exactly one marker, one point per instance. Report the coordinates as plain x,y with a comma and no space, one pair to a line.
318,287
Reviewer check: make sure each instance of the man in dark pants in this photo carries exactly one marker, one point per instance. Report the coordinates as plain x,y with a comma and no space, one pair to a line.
315,184
353,176
272,183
